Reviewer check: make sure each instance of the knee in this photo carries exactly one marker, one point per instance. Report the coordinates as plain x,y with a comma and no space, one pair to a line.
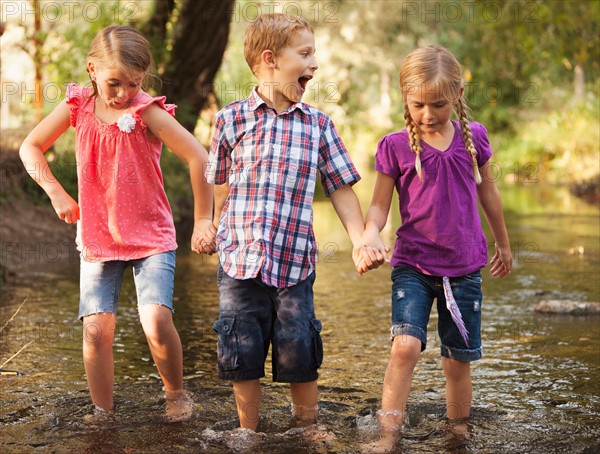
455,370
406,350
99,330
157,322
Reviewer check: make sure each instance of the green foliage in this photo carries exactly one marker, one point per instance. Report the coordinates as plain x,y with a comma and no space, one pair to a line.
64,169
519,59
558,144
176,177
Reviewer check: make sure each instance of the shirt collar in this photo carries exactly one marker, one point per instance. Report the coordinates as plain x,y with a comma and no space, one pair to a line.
255,101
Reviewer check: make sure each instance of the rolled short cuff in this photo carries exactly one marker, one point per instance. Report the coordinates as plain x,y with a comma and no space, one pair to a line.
406,329
465,356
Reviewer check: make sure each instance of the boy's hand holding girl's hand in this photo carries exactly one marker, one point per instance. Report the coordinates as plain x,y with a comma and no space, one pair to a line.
204,237
372,253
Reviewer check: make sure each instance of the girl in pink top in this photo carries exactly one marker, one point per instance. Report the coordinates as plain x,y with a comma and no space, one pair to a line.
439,168
123,216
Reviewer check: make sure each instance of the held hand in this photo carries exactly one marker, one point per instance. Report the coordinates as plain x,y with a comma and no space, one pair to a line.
204,237
501,262
66,207
372,254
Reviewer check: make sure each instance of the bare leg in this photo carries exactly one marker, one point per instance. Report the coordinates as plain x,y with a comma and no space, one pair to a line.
305,400
165,346
459,391
396,383
98,336
247,398
164,343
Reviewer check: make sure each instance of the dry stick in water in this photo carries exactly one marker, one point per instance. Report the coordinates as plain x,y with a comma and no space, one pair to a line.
14,315
2,329
15,355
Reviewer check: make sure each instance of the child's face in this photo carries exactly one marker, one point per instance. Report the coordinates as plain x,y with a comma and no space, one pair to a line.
294,66
429,108
116,87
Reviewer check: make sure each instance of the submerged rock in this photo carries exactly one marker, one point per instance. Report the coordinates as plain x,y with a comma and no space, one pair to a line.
567,307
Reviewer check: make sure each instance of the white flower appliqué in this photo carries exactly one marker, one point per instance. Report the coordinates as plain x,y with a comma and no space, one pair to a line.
126,123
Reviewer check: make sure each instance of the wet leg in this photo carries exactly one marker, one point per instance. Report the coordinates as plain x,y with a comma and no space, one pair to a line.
165,346
305,401
98,336
459,391
396,383
247,398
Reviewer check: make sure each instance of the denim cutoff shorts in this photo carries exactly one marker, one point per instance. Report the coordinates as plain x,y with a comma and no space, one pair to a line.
412,298
100,283
253,316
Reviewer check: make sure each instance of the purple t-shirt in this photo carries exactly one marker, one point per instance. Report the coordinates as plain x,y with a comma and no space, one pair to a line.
441,232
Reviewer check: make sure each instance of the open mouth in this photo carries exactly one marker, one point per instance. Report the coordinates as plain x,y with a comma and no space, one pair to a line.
303,80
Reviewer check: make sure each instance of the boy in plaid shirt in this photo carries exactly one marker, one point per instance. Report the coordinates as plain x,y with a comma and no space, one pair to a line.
265,155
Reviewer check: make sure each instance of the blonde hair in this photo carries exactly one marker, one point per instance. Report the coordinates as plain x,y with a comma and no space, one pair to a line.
123,47
271,32
435,66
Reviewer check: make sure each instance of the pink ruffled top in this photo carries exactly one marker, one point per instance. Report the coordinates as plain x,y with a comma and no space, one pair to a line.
124,211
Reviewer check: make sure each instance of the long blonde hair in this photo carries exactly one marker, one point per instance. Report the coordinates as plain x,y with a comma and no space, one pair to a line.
121,46
435,66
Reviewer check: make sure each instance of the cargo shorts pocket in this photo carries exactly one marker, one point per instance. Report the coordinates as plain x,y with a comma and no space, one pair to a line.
227,345
317,347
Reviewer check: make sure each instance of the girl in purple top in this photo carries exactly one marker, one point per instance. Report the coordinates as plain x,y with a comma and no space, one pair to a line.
439,167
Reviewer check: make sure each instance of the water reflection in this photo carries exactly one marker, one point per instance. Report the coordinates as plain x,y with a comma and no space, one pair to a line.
535,390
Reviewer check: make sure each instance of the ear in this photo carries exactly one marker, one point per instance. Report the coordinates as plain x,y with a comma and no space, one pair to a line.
91,69
267,57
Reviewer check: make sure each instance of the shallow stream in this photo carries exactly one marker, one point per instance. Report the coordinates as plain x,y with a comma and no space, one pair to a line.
536,390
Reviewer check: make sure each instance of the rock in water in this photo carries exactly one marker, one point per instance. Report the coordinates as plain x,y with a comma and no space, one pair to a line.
567,307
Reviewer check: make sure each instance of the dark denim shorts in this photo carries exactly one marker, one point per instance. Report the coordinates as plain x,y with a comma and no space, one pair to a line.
412,297
253,316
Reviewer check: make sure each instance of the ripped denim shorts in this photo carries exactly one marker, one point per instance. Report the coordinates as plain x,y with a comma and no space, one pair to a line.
253,316
100,282
412,298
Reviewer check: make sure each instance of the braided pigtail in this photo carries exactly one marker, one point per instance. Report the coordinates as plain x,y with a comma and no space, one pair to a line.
461,110
415,140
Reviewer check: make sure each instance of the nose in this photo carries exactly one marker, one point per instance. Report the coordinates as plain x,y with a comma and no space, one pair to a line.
313,64
427,113
123,92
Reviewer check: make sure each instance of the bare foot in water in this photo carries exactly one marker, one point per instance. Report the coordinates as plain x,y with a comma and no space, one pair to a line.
98,418
180,406
388,442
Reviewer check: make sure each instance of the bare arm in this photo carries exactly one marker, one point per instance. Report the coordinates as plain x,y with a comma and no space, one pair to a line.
491,203
189,150
348,209
375,252
32,152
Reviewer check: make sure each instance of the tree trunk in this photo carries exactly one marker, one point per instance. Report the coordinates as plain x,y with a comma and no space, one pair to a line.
199,43
156,30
